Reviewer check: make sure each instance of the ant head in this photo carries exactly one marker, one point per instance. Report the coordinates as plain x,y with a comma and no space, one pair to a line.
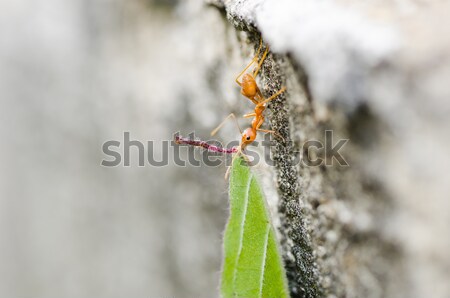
248,136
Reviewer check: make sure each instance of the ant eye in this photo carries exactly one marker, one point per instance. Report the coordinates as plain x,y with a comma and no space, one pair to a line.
248,138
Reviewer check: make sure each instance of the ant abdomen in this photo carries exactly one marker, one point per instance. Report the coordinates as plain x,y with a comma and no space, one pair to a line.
249,87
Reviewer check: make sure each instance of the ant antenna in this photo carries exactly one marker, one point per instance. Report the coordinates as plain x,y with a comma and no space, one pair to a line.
223,122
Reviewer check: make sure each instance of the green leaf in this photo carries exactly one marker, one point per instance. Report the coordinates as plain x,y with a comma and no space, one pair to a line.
252,264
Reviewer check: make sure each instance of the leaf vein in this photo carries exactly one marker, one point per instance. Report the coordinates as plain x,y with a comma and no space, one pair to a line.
241,236
263,269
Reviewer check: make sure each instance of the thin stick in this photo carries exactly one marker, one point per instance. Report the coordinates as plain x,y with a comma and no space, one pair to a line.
198,143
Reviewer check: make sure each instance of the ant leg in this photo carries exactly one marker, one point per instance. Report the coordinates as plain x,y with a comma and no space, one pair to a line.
258,97
258,68
227,173
255,59
273,96
260,47
261,121
255,101
272,132
240,152
249,115
223,122
242,72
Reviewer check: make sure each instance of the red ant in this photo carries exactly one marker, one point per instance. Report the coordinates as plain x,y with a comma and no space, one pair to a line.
250,89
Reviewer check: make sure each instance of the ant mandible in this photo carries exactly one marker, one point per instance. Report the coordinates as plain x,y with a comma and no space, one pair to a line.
250,89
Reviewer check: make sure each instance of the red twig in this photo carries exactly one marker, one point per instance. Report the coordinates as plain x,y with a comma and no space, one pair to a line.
205,145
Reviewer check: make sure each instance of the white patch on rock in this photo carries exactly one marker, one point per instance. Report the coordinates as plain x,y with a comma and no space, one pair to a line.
337,46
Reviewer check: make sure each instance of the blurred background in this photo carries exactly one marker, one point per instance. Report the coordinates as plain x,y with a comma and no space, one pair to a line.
77,73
